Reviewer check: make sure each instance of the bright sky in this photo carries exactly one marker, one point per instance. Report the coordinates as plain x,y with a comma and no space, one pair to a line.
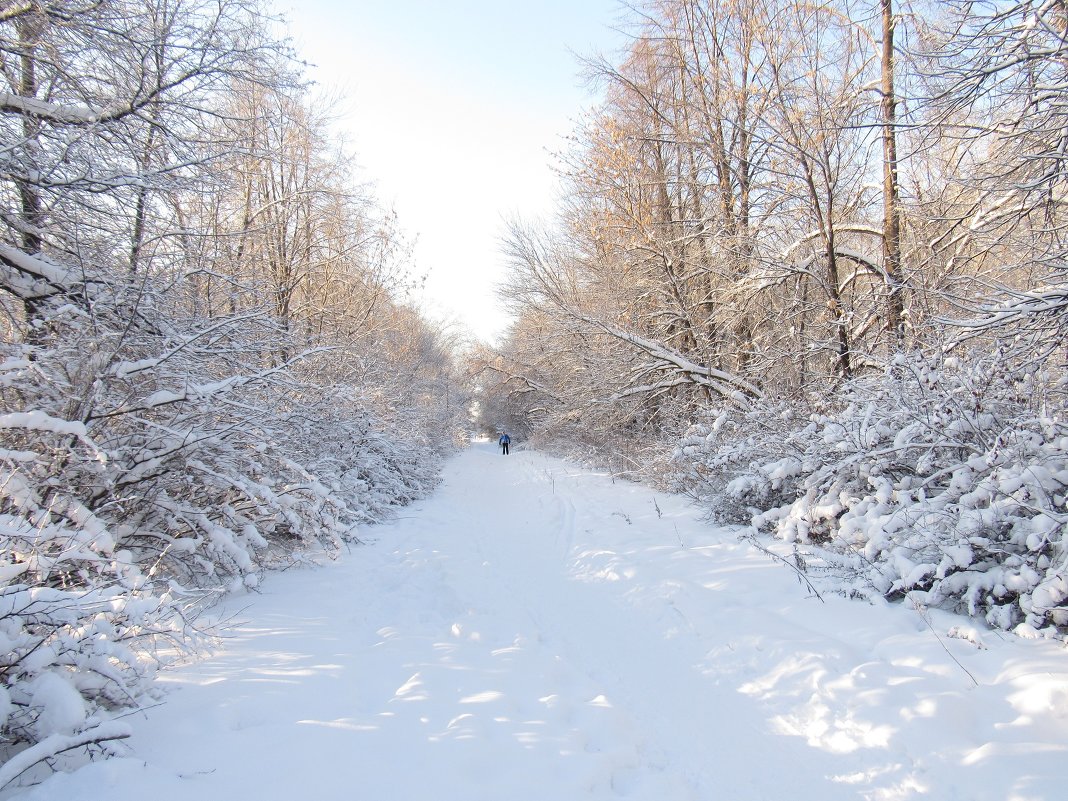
454,110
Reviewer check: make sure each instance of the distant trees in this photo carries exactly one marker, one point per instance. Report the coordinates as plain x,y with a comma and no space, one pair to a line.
783,210
774,198
207,361
721,225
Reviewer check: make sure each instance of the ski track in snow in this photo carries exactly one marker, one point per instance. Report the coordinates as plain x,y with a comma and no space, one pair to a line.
536,631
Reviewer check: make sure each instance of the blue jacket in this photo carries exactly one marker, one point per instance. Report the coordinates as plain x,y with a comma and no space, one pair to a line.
504,439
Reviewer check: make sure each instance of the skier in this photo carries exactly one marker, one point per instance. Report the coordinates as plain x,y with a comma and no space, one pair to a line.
503,442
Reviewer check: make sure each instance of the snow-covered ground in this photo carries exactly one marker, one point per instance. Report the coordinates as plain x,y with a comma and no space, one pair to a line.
536,631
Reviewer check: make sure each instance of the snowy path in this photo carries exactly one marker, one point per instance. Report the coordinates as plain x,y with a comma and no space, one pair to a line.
534,631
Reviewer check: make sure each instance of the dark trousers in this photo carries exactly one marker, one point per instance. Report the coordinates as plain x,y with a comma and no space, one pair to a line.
504,448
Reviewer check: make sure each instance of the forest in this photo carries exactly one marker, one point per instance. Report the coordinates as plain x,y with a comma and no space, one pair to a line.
208,354
807,267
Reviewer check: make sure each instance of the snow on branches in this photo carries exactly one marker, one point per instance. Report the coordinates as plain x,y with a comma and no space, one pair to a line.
205,370
119,517
943,483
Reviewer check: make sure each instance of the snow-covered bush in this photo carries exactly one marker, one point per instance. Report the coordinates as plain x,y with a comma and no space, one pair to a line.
714,461
946,482
137,478
374,467
71,658
202,345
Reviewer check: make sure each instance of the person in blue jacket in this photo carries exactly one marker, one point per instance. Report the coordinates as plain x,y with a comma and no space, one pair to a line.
503,442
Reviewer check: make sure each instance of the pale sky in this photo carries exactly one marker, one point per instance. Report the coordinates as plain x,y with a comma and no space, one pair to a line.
454,110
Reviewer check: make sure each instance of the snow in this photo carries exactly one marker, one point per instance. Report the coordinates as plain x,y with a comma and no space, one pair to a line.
56,744
74,114
538,631
62,707
38,267
162,397
39,421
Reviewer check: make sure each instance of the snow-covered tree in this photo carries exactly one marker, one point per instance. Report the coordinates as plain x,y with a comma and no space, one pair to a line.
207,358
823,245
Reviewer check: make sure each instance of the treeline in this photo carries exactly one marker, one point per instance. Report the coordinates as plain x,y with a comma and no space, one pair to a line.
208,365
809,266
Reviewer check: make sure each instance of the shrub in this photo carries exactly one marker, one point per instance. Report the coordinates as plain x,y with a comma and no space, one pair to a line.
943,481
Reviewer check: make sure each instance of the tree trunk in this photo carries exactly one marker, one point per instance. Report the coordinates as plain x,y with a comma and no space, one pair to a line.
29,29
895,321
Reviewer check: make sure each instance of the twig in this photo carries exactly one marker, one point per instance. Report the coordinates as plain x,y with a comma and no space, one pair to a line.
921,610
797,566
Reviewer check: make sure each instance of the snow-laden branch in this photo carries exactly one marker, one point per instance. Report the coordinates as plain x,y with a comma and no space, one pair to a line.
39,421
64,114
867,230
529,384
723,383
57,744
1041,302
32,276
199,392
647,389
126,369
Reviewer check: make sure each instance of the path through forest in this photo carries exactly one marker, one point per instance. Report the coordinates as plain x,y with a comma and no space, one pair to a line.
538,632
